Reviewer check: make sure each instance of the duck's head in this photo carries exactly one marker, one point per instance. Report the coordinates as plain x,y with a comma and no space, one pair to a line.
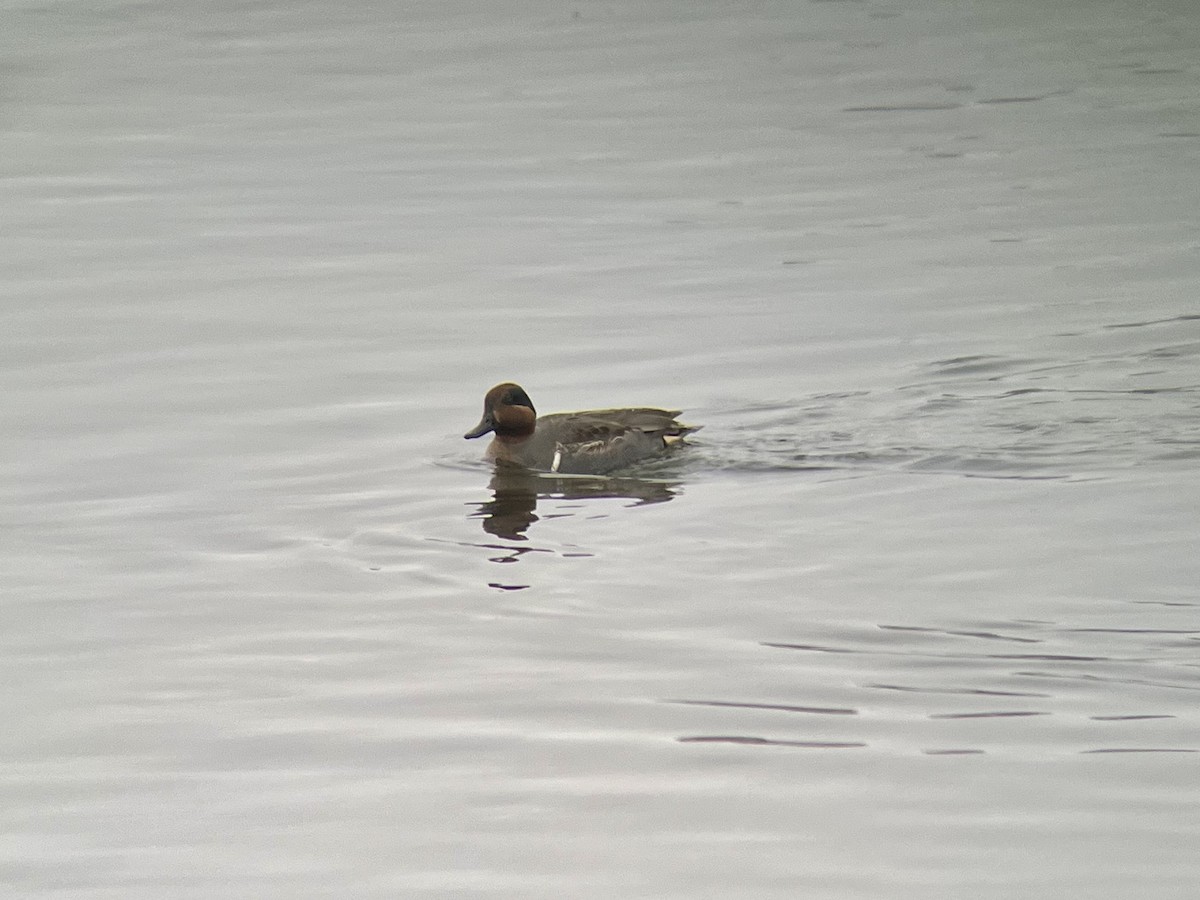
508,411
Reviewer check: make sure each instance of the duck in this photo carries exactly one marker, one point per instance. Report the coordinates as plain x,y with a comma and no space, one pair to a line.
589,442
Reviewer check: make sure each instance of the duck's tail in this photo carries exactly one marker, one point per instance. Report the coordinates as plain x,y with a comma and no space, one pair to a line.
678,431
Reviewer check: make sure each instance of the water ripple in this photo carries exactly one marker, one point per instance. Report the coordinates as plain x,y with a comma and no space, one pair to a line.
768,742
779,707
1072,415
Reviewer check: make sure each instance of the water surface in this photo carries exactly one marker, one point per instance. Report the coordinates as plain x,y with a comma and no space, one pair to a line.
914,616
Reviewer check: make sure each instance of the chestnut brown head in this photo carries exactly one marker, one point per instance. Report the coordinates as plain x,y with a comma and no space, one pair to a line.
507,411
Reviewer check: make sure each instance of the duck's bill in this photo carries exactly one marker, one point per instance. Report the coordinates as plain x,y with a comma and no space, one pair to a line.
485,425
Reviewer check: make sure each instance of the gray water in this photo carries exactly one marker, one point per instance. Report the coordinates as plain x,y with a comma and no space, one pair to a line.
916,614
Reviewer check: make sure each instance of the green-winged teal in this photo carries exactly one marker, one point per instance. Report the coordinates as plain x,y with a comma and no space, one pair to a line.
590,442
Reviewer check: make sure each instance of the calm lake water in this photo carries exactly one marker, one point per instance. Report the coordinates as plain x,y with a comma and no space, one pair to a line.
917,613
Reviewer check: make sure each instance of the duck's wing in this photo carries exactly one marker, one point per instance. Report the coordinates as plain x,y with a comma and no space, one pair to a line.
604,454
597,424
603,440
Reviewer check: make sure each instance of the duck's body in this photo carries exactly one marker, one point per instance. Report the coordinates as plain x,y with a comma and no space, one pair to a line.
590,442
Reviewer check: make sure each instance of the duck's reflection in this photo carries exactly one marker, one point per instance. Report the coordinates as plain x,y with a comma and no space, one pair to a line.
516,491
